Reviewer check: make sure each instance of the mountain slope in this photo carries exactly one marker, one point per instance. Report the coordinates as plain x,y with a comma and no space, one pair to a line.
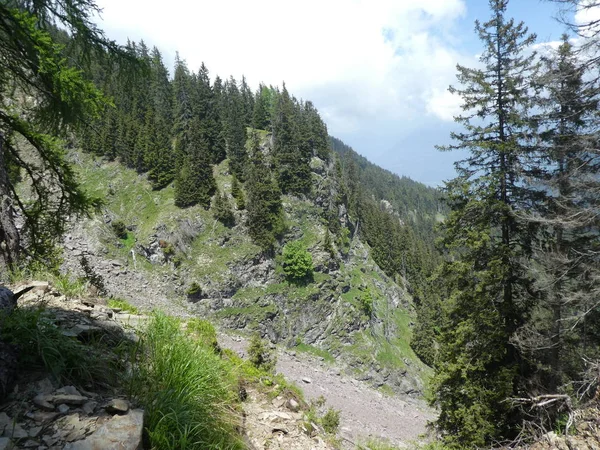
351,311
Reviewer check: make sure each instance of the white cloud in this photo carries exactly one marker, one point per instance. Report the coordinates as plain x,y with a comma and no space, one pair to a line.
356,59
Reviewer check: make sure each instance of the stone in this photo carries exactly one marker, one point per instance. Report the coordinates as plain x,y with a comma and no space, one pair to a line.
40,416
89,407
292,405
69,399
120,432
41,401
6,444
5,421
30,443
306,380
15,431
44,386
34,431
117,406
69,390
40,286
63,409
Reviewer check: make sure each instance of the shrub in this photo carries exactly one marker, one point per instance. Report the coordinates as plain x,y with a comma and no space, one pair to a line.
331,421
119,229
194,292
297,262
238,194
366,303
259,354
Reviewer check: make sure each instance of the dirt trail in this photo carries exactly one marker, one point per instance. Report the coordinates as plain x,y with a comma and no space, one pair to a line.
365,412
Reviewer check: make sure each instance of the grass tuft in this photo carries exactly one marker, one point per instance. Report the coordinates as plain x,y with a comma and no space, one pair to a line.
42,345
123,305
185,388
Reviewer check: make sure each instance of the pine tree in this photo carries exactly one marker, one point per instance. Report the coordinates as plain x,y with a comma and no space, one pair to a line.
265,212
479,368
565,212
222,210
194,181
290,152
237,194
33,63
261,119
235,129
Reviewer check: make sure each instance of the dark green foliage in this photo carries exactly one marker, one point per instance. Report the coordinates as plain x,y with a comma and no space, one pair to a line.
479,368
238,194
331,421
119,229
222,210
263,107
194,182
234,120
259,355
328,244
291,154
265,213
32,62
297,262
194,292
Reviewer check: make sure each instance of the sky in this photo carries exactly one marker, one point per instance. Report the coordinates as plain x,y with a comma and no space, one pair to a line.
377,70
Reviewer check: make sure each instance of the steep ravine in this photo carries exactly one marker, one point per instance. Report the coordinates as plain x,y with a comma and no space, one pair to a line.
365,411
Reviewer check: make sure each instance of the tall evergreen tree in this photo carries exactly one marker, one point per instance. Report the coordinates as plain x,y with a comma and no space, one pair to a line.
265,212
290,153
235,129
194,181
479,369
567,164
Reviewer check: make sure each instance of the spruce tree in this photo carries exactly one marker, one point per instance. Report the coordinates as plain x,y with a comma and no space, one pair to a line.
222,210
194,181
235,129
478,368
238,194
265,212
291,154
569,191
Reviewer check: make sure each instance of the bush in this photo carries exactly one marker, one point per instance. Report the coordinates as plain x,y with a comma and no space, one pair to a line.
205,332
187,391
259,354
194,292
331,421
119,229
366,303
297,262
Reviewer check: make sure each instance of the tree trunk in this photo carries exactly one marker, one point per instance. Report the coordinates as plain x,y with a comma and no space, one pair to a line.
9,235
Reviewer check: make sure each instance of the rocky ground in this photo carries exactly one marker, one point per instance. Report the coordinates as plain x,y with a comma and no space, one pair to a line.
365,412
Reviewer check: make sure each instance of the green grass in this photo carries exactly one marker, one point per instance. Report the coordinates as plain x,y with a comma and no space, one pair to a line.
42,345
186,389
306,348
123,305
